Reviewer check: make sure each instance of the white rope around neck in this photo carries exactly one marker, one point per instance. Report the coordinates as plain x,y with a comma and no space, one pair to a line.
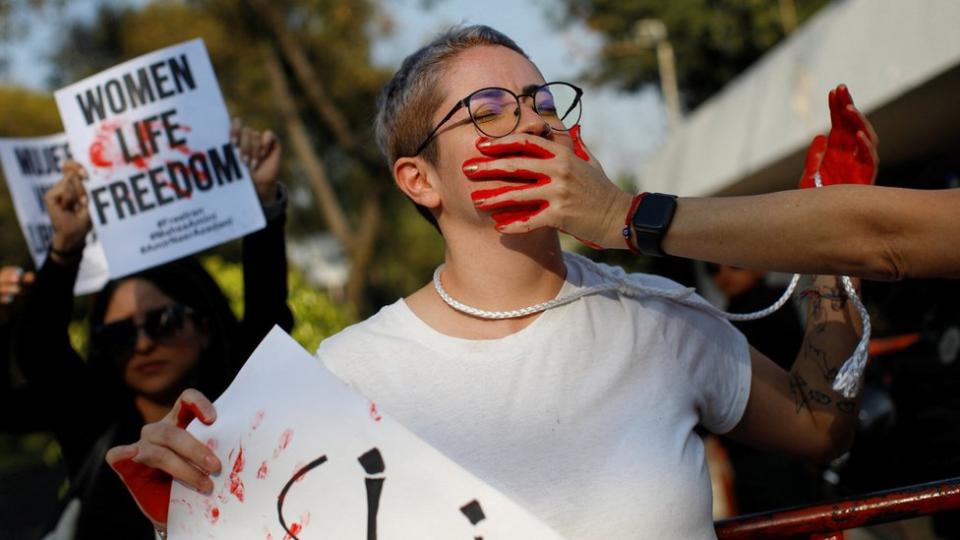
846,382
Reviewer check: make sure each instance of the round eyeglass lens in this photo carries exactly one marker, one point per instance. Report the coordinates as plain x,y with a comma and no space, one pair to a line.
494,111
559,104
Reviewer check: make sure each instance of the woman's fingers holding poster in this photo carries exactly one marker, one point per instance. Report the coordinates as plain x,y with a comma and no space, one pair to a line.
67,205
166,451
261,151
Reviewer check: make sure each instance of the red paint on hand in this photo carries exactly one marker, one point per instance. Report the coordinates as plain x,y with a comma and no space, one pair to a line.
843,156
531,179
521,148
188,411
149,486
236,484
520,212
578,148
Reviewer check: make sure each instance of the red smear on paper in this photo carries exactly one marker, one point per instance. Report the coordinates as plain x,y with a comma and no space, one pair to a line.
211,512
141,161
101,151
296,469
181,193
374,414
149,486
295,529
284,442
578,147
262,471
236,484
257,420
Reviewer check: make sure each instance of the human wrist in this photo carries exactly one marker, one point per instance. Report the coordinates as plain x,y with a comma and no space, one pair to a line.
613,221
648,221
67,249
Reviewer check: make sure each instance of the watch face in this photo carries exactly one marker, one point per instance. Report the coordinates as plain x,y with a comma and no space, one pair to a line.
655,211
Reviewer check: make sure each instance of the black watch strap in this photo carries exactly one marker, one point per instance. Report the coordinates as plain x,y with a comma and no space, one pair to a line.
651,220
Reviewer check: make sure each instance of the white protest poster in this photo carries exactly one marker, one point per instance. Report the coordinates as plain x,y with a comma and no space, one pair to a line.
31,166
298,445
154,135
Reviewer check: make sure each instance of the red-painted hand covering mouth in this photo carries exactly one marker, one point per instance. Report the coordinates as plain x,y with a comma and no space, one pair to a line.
507,212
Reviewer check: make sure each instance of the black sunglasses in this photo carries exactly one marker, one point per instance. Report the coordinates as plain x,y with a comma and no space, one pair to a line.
117,340
495,111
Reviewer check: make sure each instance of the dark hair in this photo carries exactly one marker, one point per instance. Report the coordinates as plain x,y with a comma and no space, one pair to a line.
185,281
407,103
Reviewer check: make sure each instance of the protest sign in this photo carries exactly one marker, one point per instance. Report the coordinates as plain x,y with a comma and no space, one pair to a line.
304,457
165,181
32,166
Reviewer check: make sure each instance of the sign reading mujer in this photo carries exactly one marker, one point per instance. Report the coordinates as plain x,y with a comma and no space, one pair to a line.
154,135
32,166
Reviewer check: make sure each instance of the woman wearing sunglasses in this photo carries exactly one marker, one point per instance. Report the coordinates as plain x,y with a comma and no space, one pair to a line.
152,335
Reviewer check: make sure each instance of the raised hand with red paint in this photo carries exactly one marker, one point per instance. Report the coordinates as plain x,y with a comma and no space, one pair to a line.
550,184
261,151
848,155
166,451
67,205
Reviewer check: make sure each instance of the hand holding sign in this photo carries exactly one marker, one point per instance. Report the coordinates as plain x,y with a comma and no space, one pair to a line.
67,205
164,182
165,452
261,151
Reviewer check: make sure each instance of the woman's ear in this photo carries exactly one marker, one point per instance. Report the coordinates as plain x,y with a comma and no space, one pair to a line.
417,180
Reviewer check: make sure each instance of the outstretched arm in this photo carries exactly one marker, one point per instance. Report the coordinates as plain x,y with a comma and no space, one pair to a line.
866,231
871,232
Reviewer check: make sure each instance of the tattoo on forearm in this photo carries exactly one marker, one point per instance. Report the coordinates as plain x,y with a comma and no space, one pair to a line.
819,357
797,386
846,406
819,397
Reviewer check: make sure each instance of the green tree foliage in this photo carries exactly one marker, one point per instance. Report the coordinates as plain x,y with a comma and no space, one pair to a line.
316,316
713,40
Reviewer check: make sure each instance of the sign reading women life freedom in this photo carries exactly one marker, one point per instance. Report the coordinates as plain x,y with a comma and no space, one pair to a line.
165,181
32,166
306,457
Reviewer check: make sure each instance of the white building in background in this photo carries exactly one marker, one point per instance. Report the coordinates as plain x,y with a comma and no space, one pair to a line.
321,259
901,60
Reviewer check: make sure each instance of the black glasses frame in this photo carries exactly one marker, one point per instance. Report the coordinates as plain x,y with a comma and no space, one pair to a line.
116,340
530,93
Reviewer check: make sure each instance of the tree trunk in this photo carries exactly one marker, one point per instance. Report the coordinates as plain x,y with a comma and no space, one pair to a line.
333,213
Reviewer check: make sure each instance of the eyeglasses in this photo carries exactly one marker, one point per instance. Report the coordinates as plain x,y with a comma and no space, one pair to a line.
496,111
117,340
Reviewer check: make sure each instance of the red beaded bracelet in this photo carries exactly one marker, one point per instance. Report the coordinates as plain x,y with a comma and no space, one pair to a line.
627,226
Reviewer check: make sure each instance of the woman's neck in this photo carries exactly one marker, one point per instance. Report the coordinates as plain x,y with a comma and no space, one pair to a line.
509,272
152,410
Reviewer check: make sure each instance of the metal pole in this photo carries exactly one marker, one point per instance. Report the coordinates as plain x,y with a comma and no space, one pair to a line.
668,82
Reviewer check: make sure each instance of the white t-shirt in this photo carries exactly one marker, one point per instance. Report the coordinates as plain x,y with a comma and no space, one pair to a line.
585,417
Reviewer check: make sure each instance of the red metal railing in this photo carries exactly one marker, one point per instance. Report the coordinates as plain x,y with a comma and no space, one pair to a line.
828,521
